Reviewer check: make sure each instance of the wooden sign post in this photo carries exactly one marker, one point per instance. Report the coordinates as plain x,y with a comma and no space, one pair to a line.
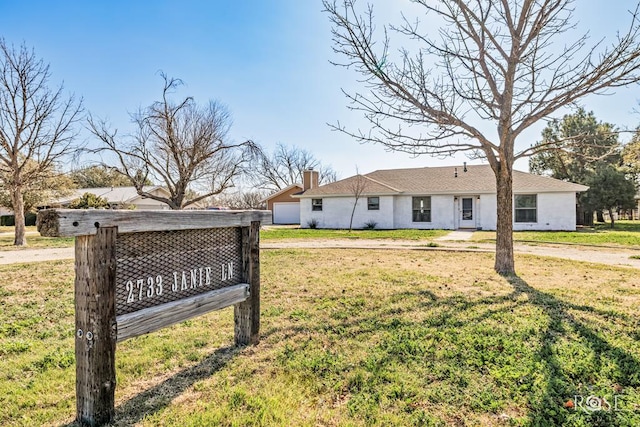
137,272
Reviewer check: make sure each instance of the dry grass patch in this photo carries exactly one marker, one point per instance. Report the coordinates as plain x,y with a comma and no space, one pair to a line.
352,337
289,233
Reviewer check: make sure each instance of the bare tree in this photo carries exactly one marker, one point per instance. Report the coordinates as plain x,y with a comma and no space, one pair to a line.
241,200
36,126
284,167
100,176
508,63
49,186
357,186
181,145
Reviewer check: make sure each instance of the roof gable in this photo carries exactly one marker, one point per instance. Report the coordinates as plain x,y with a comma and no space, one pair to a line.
283,191
347,186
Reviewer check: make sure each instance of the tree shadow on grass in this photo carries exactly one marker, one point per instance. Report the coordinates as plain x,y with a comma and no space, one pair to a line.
561,382
562,386
408,326
419,330
156,398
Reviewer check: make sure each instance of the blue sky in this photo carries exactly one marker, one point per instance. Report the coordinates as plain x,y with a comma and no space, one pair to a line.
268,61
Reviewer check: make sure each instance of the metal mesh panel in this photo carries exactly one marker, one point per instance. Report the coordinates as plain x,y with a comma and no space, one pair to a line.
158,267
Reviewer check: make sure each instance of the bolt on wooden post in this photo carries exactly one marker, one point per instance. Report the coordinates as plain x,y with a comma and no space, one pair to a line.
137,272
95,267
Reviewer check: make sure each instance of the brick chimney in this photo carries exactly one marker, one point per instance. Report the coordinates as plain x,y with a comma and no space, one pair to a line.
309,179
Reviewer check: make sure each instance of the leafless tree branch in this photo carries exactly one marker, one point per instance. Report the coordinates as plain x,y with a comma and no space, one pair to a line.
36,125
181,145
357,186
492,62
284,167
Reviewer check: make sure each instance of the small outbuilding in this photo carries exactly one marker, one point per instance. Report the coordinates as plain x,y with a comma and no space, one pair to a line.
284,208
284,205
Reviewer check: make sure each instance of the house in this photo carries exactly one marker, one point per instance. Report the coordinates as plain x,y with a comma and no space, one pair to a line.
284,205
120,197
439,198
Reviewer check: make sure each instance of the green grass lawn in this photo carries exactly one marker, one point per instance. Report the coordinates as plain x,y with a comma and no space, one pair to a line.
6,243
625,233
33,240
278,233
351,338
36,241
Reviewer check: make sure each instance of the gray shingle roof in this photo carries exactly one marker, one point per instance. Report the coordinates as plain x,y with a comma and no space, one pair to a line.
479,179
111,194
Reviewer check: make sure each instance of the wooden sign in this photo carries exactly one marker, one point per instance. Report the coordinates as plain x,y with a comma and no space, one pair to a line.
139,271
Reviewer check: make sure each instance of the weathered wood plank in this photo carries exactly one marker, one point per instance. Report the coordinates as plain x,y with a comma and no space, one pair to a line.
254,280
82,222
150,319
95,344
247,313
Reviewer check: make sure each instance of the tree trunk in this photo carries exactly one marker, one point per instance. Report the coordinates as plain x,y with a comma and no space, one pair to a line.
611,217
504,264
580,214
17,202
353,211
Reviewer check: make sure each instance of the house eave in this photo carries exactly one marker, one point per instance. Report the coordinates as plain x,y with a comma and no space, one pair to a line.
320,196
284,190
441,193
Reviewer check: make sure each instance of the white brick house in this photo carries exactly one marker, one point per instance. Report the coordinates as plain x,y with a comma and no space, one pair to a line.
440,198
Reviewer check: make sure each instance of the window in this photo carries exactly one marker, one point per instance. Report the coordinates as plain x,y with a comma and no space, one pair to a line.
316,204
526,208
422,209
373,203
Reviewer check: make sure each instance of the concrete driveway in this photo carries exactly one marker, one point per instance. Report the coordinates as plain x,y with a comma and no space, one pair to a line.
35,255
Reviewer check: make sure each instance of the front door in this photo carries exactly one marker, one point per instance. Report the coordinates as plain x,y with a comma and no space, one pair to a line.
467,219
